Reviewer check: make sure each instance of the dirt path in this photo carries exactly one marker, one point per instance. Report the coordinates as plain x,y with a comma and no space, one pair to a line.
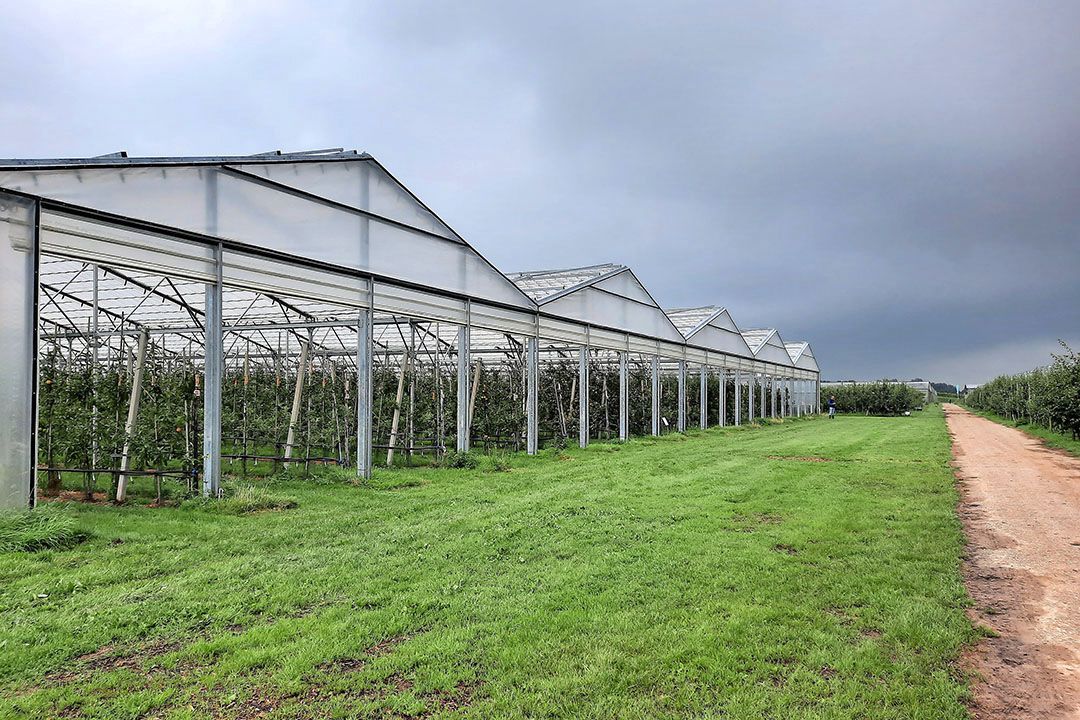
1020,504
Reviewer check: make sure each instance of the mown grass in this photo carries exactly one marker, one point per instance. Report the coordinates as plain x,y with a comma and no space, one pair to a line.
731,573
1050,438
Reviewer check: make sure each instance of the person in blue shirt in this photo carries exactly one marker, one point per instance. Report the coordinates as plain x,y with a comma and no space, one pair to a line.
832,407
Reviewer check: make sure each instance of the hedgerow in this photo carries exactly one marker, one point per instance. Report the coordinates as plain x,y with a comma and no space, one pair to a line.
1047,396
878,398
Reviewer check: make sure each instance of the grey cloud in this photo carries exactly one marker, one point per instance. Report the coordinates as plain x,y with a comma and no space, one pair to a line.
896,183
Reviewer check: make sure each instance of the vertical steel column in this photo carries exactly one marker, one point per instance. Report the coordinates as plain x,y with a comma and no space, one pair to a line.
703,401
750,397
364,334
682,397
464,362
214,364
213,369
19,289
624,397
738,398
764,382
817,392
723,397
93,375
798,398
583,397
532,380
655,395
772,398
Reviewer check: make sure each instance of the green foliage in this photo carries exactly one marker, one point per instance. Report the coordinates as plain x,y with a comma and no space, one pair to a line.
879,398
1048,396
42,529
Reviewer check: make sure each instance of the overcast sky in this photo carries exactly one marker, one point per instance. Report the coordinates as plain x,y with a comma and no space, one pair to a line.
899,184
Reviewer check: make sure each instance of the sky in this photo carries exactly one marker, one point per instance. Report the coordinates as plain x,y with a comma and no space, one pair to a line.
896,183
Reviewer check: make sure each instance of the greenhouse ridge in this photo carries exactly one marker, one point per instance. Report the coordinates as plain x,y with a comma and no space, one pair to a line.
322,264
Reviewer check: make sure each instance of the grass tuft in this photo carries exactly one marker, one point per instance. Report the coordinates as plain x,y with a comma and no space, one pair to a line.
243,500
41,529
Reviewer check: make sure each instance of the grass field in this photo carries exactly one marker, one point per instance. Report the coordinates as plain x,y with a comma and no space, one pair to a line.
1051,438
731,573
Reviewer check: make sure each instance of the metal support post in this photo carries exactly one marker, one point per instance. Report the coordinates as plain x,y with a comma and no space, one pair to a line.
213,370
682,397
532,380
624,399
750,397
655,395
703,401
364,325
583,397
738,398
723,397
463,369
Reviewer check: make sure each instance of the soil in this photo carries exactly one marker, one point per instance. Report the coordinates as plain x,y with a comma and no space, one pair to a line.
1020,506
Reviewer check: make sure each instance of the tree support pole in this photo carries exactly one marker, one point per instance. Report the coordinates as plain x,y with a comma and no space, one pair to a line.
298,396
132,418
395,421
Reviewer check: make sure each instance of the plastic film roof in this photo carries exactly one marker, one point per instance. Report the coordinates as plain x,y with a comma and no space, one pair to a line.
340,210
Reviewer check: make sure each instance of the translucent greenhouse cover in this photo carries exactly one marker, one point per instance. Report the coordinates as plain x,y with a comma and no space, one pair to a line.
362,184
249,212
802,355
607,295
16,348
711,327
767,346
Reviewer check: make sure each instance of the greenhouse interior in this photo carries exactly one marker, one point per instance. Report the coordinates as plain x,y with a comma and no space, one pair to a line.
173,320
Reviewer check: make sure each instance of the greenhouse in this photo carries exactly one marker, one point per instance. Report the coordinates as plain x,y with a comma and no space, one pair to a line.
184,318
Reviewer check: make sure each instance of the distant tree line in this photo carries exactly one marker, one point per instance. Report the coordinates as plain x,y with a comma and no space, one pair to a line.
1046,396
876,398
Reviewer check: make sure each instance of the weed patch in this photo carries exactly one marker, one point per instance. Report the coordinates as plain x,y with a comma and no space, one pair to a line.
45,528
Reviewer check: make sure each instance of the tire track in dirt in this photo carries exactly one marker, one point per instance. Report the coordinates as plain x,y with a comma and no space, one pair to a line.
1020,506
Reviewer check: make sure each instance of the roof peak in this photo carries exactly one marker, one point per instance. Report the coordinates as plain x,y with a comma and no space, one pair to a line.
122,159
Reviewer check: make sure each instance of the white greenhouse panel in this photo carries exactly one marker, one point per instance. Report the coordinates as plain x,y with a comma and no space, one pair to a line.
361,184
593,306
721,340
627,285
276,277
17,321
553,329
247,212
394,300
108,244
501,319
